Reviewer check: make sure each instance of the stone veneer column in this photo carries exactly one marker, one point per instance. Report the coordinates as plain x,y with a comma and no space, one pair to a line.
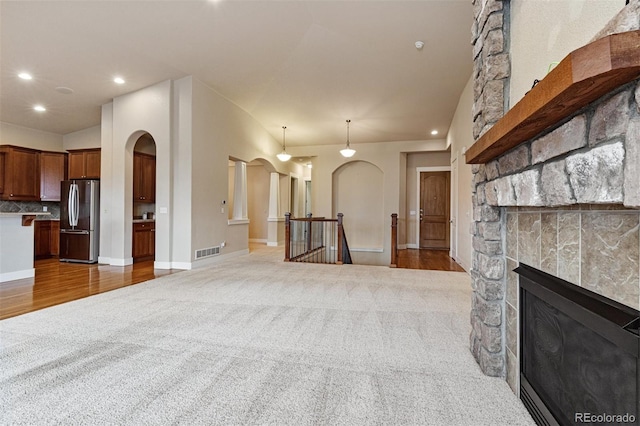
491,73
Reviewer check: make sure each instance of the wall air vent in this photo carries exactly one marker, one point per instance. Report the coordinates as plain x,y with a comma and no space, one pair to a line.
211,251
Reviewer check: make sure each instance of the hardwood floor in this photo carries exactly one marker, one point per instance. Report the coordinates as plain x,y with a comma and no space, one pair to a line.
59,282
438,260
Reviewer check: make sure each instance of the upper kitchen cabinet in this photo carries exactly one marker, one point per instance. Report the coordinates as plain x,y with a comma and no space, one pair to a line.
20,170
84,164
2,166
144,178
53,170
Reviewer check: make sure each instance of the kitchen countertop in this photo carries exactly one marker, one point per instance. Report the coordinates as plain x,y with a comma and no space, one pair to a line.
143,220
25,213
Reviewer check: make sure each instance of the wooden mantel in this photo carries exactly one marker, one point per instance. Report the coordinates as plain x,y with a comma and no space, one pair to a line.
582,77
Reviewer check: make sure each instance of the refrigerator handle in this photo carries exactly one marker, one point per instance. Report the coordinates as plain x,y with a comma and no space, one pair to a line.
76,204
76,201
70,205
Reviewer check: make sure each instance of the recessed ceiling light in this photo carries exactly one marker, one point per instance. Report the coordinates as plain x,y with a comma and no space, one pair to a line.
25,76
118,80
434,132
39,108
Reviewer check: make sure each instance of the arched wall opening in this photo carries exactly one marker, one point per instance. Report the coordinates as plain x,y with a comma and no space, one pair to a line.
144,198
357,193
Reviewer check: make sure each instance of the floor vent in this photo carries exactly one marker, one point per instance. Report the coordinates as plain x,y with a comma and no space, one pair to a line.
211,251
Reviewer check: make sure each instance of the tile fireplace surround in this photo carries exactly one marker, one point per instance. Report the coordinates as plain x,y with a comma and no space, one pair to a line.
566,202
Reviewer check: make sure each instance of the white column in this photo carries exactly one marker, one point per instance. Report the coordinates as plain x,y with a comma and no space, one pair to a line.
275,226
240,191
274,195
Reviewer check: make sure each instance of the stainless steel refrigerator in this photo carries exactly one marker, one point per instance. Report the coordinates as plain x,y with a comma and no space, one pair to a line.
79,220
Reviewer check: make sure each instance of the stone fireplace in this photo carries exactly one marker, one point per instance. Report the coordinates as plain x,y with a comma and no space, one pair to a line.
565,201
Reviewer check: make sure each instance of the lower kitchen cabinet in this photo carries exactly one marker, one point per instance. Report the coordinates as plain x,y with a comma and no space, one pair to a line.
144,241
46,234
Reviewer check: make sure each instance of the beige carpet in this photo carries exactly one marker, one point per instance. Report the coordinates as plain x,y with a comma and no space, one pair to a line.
254,340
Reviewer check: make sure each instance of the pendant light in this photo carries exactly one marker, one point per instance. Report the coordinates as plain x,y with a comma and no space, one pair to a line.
283,156
348,152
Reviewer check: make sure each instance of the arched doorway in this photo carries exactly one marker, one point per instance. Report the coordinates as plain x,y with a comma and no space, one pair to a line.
144,199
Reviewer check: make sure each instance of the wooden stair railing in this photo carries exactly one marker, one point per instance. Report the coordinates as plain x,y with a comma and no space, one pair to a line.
394,240
316,240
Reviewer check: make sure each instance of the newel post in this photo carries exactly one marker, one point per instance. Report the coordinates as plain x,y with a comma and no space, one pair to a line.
287,237
394,240
309,228
340,239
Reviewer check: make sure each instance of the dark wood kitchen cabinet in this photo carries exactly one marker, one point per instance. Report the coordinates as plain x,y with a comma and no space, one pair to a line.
144,241
84,164
42,238
144,178
2,167
53,170
20,174
46,235
55,238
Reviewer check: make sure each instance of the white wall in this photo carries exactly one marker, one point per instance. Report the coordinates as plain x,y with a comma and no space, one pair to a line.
460,138
30,138
415,160
83,139
147,110
182,174
221,130
356,194
258,183
546,31
390,158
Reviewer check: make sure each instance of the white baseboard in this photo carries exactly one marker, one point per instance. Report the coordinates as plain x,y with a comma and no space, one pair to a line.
162,265
402,246
120,262
186,266
275,244
413,246
17,275
104,260
258,240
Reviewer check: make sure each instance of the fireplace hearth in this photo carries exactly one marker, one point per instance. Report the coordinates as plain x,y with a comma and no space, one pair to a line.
579,353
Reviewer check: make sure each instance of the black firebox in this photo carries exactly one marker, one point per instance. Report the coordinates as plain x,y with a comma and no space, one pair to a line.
579,352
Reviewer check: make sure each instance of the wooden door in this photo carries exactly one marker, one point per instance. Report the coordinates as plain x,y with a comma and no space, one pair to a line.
144,240
76,165
152,240
137,177
22,175
92,164
2,172
434,209
52,172
42,238
55,237
149,179
140,240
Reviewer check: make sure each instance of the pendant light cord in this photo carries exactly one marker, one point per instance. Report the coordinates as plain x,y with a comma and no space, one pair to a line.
348,121
284,143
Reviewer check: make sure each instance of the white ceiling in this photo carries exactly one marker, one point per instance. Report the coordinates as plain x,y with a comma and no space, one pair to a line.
309,65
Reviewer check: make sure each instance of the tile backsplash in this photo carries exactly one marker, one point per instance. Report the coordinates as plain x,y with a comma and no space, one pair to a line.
31,206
